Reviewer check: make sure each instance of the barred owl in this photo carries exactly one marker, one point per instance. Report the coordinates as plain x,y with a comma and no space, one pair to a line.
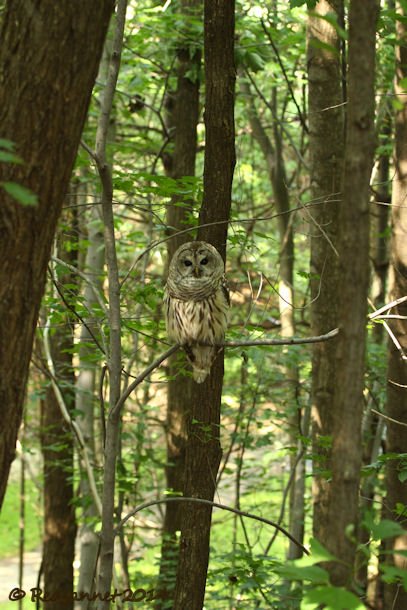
196,304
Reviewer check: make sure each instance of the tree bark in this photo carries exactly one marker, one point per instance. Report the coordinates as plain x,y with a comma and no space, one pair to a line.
58,452
326,137
395,596
353,285
203,452
183,123
85,399
49,54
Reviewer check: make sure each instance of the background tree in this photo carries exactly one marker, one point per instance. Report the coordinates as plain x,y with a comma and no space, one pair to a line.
396,407
326,141
57,440
353,282
153,186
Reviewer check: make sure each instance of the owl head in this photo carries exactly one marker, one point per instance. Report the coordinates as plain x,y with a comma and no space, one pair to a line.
195,271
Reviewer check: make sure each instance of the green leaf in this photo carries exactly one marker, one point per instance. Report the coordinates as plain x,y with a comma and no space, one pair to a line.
333,598
310,3
7,144
9,157
386,529
313,574
20,193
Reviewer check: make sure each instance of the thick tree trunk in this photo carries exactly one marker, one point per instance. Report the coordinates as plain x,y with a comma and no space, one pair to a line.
353,284
203,452
326,137
271,148
183,123
395,596
49,54
58,452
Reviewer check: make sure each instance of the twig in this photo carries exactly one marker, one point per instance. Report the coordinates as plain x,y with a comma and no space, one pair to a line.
287,80
141,378
377,313
85,277
215,505
158,242
386,417
287,341
72,423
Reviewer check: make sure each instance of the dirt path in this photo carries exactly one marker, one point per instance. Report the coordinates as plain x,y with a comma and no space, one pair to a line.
9,574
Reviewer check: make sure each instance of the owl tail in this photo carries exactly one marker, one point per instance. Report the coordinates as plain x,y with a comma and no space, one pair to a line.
201,357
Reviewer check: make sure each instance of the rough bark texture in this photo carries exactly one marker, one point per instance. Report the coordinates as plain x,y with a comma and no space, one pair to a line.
326,126
395,597
203,452
183,122
49,54
58,453
353,284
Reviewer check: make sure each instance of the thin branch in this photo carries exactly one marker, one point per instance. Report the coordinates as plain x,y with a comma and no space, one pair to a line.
85,277
215,505
119,404
158,242
287,80
377,313
287,341
387,418
72,423
156,363
73,310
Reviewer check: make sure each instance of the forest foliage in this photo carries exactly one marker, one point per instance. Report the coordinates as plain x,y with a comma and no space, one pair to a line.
274,465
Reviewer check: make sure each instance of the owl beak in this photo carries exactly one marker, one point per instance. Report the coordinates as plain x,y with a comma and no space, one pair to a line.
197,272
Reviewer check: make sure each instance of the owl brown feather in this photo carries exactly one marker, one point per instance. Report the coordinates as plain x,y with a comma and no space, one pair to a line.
196,304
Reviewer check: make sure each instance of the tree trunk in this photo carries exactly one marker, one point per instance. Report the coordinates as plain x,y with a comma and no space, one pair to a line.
353,284
273,156
326,127
58,451
203,452
184,120
85,399
49,55
395,596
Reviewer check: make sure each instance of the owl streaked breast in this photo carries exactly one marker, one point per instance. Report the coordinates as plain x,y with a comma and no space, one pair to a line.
196,304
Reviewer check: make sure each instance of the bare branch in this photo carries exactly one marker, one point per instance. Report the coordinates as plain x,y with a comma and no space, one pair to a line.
287,341
215,505
377,313
387,418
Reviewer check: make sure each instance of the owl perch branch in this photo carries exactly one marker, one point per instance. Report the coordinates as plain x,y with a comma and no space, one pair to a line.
216,505
156,363
288,341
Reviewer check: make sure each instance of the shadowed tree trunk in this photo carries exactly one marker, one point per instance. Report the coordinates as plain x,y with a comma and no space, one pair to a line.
49,55
272,149
353,285
203,452
183,122
57,444
395,596
326,138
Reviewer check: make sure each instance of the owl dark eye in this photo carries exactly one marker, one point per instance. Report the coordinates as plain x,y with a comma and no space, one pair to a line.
204,261
187,263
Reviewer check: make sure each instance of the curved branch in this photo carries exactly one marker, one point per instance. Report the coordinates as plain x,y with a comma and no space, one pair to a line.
215,505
